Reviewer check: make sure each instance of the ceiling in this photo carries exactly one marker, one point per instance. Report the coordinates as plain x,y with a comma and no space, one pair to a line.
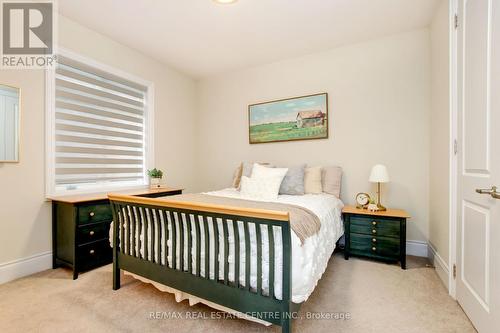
202,38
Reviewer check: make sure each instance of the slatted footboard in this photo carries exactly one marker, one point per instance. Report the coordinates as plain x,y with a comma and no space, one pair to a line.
187,246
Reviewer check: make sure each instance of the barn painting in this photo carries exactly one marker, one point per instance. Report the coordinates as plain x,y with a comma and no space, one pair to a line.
298,118
310,119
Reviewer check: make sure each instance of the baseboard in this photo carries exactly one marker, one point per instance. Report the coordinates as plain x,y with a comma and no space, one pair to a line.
26,266
442,269
416,248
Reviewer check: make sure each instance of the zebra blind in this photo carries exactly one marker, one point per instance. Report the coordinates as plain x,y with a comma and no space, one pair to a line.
99,128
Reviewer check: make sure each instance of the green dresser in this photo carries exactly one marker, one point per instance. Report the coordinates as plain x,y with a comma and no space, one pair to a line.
80,228
377,235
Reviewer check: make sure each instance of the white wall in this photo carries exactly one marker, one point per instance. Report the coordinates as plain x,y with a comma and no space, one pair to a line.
25,216
439,195
379,104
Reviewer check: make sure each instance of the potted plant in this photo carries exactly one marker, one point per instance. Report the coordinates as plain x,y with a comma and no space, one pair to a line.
155,176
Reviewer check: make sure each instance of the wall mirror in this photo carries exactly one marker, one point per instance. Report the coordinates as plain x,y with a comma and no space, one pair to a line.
9,123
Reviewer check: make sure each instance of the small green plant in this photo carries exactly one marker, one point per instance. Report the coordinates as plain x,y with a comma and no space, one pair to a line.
372,201
155,173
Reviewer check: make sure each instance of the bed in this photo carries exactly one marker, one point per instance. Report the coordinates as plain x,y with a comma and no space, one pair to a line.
243,267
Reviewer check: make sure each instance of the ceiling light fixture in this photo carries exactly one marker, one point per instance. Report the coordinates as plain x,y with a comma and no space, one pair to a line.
225,2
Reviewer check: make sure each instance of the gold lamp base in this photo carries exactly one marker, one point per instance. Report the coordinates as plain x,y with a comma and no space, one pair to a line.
379,205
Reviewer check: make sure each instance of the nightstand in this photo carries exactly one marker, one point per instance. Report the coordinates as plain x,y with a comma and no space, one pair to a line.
80,228
378,235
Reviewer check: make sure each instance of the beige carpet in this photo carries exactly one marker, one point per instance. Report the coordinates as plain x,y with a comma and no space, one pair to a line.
377,297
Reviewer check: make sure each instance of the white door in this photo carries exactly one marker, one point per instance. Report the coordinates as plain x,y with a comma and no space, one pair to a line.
478,228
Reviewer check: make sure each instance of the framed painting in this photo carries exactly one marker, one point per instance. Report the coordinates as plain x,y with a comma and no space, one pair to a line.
297,118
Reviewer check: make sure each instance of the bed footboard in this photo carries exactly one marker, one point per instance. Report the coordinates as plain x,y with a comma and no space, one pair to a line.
189,247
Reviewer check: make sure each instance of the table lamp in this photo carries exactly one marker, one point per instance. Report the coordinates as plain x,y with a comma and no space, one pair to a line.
379,175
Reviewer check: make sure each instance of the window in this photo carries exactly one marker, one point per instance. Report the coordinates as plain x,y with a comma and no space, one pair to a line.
98,128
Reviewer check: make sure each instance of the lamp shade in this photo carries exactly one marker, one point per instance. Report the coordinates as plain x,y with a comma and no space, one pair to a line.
379,174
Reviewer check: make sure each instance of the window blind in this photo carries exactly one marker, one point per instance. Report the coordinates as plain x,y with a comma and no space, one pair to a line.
99,127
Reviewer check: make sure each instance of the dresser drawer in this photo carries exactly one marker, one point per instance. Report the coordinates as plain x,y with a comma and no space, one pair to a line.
94,213
94,254
93,232
375,245
375,226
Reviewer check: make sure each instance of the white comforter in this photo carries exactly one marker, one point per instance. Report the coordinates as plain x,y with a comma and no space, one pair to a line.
309,260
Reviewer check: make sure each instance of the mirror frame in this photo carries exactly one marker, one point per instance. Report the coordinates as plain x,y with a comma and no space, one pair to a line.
18,126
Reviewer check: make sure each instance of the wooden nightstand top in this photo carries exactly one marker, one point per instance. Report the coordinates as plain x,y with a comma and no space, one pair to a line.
141,191
389,212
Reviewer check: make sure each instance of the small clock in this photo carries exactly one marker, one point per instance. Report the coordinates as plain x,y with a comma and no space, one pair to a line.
362,200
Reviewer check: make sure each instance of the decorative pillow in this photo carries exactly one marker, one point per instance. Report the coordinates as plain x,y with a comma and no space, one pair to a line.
331,180
247,169
237,176
260,188
244,169
293,183
312,180
261,171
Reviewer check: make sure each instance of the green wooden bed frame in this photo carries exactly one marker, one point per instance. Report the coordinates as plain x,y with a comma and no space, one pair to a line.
131,214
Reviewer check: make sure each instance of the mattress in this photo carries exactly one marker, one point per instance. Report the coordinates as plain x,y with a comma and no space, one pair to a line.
309,260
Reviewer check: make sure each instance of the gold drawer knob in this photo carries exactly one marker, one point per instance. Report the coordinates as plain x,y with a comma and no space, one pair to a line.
91,214
374,248
374,240
92,251
91,233
374,222
374,231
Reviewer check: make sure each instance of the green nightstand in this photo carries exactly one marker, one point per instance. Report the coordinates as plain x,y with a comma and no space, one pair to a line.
377,235
80,228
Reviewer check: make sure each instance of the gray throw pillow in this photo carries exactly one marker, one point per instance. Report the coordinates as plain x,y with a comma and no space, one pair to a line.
293,183
247,169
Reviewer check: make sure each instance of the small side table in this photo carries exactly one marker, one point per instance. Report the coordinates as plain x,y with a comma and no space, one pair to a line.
379,235
80,228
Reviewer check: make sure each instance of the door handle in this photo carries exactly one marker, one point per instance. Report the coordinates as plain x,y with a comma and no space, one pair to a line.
491,191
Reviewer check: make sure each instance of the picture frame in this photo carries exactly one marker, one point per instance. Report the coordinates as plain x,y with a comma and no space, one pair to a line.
289,119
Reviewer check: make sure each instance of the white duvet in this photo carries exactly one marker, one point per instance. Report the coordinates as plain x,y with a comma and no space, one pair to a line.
309,260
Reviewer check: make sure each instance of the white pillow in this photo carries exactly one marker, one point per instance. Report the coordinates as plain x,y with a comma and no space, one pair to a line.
260,188
261,171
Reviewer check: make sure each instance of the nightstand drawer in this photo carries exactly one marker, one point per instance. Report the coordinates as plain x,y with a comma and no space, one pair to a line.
375,245
93,232
375,226
94,254
94,213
